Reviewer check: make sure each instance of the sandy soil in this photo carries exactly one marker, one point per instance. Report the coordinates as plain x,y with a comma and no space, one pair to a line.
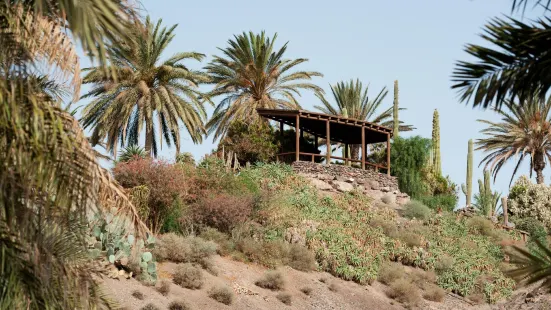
241,277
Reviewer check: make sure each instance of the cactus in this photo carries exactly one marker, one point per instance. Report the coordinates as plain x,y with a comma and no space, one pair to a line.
436,159
395,111
468,188
487,200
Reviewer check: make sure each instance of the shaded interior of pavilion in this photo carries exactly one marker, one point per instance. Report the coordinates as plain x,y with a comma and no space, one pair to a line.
329,130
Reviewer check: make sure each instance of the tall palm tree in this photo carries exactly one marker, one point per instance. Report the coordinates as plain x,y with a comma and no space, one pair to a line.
253,74
517,65
351,100
145,89
50,180
524,131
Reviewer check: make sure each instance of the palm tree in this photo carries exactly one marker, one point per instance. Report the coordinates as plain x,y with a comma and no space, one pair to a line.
517,66
131,152
524,130
351,100
254,75
50,180
145,89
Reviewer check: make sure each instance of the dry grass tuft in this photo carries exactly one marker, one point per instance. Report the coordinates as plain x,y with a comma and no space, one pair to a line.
334,287
444,263
188,276
306,291
390,272
222,294
272,280
478,299
482,226
434,293
179,249
323,280
285,298
300,258
164,287
138,295
423,278
150,306
178,305
404,291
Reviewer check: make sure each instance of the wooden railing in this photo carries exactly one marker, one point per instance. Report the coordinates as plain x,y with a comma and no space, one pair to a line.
346,160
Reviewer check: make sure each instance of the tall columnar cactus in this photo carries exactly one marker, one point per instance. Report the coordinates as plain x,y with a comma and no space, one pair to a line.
487,200
468,188
395,111
437,162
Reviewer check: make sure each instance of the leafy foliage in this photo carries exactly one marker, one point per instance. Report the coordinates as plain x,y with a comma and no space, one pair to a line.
408,157
530,200
255,142
145,90
132,152
253,74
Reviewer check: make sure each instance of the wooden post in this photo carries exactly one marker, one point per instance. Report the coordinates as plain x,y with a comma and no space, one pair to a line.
297,138
388,154
328,143
364,151
505,215
346,154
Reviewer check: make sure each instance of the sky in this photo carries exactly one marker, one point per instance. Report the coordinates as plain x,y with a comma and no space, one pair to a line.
414,42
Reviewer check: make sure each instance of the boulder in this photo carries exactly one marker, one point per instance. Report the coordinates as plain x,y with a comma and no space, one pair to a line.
374,185
343,186
321,185
374,194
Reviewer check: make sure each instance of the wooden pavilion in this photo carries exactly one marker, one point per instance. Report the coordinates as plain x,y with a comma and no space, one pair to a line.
332,128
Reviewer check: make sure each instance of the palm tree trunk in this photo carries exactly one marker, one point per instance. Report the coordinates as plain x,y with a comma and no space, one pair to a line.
539,165
148,138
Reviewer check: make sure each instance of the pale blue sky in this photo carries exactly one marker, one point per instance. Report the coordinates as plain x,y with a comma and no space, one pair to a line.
415,42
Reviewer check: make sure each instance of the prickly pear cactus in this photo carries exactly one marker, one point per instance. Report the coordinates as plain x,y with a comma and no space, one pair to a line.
113,241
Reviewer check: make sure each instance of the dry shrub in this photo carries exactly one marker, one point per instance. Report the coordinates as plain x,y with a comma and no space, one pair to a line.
444,263
166,182
478,298
178,305
223,211
323,280
416,209
188,276
389,228
270,253
482,226
300,258
222,294
306,291
138,295
334,287
390,272
434,293
422,278
404,291
164,287
272,280
285,298
179,249
409,238
150,306
225,244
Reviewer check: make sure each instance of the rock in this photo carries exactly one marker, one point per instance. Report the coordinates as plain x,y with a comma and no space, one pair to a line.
321,185
385,189
374,194
294,235
374,185
360,181
124,261
402,200
343,186
324,177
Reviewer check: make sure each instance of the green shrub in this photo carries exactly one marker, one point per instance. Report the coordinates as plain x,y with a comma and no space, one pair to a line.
188,276
251,143
285,298
444,201
416,209
222,294
403,290
408,157
178,305
390,272
272,280
535,228
530,200
225,244
483,226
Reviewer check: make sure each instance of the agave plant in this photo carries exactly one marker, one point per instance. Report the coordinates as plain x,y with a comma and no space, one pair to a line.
531,266
253,74
131,152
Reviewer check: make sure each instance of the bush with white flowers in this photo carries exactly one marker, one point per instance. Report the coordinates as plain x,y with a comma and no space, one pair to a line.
527,199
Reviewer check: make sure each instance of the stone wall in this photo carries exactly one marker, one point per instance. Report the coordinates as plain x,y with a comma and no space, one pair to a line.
338,178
